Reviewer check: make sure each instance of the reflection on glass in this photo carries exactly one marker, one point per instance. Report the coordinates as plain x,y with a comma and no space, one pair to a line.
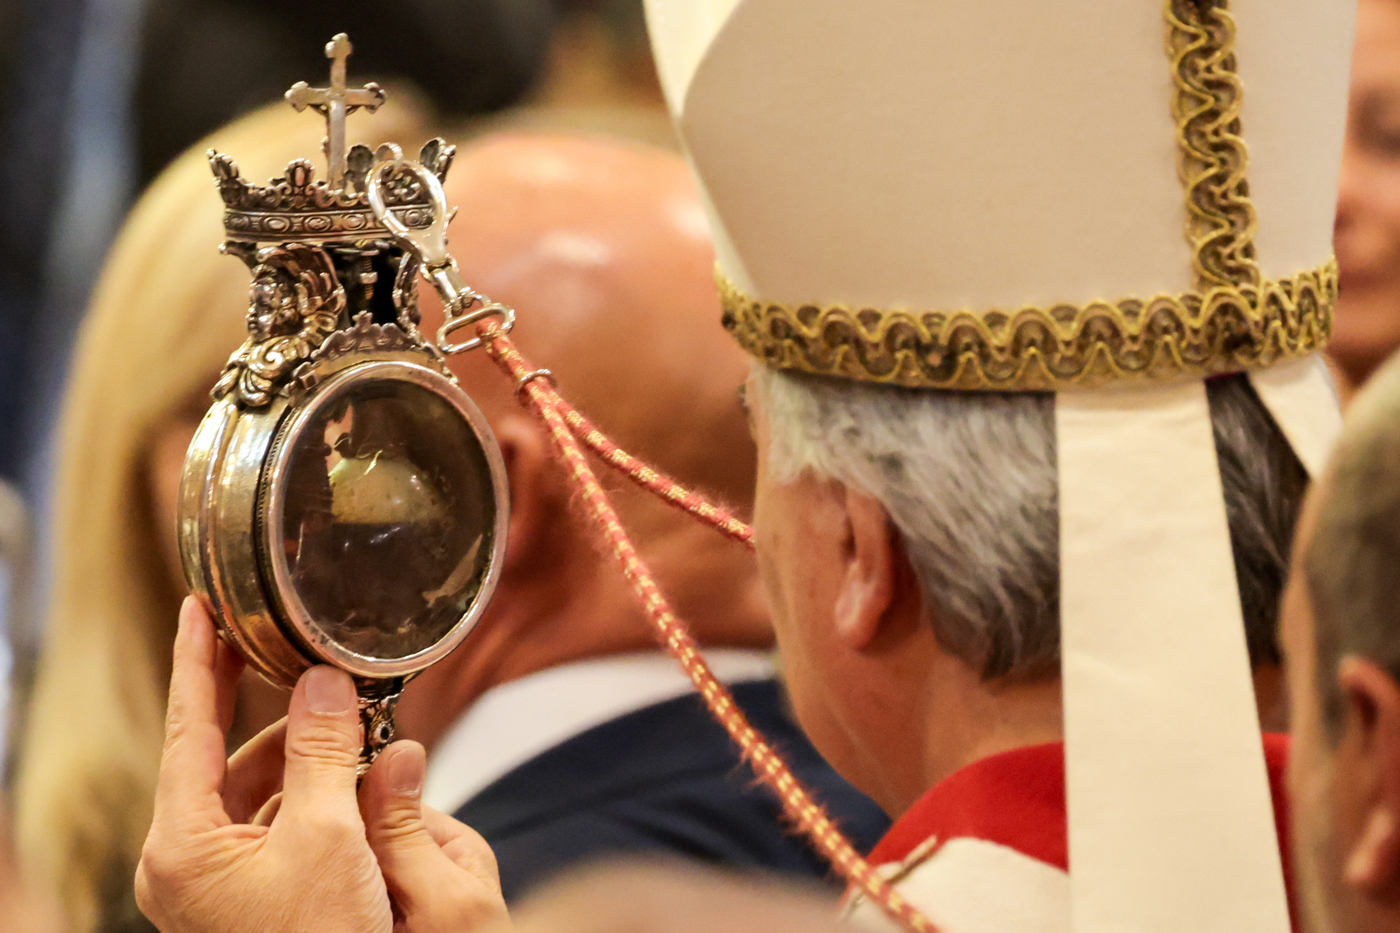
389,516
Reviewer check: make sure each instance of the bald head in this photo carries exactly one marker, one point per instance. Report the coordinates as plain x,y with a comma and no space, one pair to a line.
603,249
1353,548
1341,631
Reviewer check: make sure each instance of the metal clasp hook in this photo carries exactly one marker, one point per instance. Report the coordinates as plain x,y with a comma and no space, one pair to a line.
429,244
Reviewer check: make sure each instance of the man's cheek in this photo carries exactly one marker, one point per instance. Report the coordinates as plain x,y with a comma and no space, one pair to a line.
1310,769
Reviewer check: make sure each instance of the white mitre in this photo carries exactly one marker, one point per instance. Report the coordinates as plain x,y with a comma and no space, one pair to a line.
995,194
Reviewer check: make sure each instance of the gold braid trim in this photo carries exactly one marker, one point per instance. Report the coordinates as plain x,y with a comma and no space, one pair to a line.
1233,321
1226,329
1212,155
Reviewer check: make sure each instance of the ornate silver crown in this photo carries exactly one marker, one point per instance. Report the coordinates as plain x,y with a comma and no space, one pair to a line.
299,207
330,271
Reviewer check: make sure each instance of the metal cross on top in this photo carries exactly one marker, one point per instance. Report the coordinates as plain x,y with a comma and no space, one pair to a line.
335,102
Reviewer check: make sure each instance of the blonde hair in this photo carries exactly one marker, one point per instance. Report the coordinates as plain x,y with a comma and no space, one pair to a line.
167,312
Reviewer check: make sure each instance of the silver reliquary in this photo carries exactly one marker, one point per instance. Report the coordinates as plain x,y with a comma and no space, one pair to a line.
344,501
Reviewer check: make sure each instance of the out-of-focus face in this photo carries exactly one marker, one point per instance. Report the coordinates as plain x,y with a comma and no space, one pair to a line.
1343,766
1311,768
1336,793
1368,210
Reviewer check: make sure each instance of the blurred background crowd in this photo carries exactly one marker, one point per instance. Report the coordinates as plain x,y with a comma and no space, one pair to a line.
102,98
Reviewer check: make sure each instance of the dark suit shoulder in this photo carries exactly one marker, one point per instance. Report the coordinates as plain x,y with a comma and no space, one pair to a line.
664,779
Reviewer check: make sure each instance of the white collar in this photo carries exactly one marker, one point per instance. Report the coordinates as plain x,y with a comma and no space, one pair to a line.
518,720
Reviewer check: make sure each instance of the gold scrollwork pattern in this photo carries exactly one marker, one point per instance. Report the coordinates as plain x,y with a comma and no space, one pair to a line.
1234,320
1224,329
1212,155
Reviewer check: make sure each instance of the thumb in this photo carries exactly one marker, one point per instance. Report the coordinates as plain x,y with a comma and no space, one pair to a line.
323,744
392,805
460,892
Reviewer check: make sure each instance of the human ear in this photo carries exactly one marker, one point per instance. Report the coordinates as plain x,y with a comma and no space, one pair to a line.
1369,768
866,589
526,453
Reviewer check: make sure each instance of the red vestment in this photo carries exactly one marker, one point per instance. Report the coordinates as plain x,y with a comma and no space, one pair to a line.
986,849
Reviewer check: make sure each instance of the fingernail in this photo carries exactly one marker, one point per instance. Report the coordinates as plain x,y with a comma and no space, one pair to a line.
329,690
188,607
406,772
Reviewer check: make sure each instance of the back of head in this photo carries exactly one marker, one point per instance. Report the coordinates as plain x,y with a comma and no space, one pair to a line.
1354,549
971,481
166,313
602,247
879,220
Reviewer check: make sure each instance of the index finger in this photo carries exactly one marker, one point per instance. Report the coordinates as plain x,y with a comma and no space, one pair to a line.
192,763
254,773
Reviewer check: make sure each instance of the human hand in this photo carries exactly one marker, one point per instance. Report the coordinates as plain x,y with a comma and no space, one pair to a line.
276,840
441,875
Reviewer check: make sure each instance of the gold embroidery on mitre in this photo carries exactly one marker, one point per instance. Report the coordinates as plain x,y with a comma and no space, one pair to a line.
1225,329
1212,157
1234,320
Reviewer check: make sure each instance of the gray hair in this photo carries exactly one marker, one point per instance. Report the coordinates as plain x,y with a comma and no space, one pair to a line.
970,481
1352,563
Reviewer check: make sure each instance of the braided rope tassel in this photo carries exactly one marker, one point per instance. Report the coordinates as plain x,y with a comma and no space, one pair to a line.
798,805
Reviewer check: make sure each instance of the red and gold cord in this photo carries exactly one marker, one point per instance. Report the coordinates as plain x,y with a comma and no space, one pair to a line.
570,433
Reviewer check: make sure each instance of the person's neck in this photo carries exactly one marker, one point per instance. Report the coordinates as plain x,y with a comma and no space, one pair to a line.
579,606
1005,717
964,719
530,626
